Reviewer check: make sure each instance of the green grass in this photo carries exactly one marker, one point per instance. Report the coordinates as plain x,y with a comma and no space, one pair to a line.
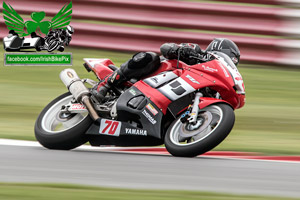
269,122
15,191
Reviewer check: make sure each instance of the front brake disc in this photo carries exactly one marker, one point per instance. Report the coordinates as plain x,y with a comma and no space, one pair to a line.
189,130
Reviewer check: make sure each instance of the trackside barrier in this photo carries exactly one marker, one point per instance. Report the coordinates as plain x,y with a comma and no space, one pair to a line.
257,30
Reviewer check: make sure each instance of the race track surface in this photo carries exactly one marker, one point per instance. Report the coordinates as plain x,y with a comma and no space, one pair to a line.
112,169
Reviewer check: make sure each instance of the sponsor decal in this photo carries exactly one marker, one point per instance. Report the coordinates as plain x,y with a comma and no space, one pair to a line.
77,106
238,78
70,74
192,79
152,109
224,70
113,77
149,117
209,69
132,91
133,131
110,127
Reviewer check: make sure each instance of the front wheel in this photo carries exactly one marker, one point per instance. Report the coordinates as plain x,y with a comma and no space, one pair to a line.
53,45
213,125
57,130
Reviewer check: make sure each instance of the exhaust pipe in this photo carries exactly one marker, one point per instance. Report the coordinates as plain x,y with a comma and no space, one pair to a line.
74,84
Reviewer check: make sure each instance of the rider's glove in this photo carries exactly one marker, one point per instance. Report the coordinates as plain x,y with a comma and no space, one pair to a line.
169,50
189,49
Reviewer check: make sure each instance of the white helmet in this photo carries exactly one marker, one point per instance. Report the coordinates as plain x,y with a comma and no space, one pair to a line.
70,29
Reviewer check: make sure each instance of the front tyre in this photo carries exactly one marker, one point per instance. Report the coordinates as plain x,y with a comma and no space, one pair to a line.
56,130
213,125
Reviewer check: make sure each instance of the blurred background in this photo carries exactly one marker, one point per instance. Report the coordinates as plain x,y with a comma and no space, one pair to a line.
266,31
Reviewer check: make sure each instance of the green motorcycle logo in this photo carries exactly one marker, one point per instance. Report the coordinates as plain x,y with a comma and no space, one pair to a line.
15,22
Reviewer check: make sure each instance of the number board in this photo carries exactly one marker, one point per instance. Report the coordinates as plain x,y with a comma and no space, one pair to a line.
110,127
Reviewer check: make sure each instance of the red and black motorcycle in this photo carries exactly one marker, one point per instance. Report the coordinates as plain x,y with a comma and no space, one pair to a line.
189,108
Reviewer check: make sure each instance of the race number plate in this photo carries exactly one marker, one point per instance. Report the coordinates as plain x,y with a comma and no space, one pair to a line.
110,127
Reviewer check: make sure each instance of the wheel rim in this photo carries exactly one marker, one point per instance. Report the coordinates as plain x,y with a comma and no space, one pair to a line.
55,122
183,135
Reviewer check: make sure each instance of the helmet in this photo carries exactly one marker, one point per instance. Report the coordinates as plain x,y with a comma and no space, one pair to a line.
226,46
70,29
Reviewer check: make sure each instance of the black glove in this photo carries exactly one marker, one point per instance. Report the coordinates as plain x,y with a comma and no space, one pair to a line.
187,51
169,50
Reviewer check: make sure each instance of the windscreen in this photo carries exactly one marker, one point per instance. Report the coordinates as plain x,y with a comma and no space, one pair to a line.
235,74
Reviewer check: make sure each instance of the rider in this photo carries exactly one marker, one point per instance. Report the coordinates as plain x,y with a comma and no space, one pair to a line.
63,34
144,63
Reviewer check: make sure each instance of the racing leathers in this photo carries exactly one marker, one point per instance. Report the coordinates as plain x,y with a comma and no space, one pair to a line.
144,63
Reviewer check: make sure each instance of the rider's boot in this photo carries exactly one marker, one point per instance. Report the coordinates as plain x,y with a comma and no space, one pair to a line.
113,80
141,64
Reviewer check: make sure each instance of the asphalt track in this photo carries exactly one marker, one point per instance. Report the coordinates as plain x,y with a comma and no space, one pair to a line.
33,163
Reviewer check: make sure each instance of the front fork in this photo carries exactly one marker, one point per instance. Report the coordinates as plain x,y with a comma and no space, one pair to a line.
191,116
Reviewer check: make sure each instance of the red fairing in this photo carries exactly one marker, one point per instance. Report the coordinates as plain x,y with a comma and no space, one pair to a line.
206,101
100,67
154,95
168,65
213,74
242,100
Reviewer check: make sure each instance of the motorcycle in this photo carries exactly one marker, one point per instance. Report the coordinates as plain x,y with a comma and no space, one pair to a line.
188,108
12,42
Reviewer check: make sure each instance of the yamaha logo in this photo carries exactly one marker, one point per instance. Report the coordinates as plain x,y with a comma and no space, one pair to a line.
133,131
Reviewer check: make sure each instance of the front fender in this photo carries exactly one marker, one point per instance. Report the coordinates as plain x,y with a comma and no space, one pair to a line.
206,101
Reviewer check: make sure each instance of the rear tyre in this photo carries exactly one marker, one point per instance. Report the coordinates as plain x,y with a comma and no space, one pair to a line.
56,130
213,125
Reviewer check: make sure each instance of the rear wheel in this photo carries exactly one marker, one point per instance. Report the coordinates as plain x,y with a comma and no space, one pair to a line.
213,125
57,130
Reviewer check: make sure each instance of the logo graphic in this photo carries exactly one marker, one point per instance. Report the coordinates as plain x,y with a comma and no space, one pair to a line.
132,91
209,69
133,131
57,34
149,117
192,79
16,23
151,108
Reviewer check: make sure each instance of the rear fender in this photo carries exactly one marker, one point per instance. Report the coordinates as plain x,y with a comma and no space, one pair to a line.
206,101
99,66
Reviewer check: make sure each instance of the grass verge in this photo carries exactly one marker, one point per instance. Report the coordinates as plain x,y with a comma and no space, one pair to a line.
12,191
